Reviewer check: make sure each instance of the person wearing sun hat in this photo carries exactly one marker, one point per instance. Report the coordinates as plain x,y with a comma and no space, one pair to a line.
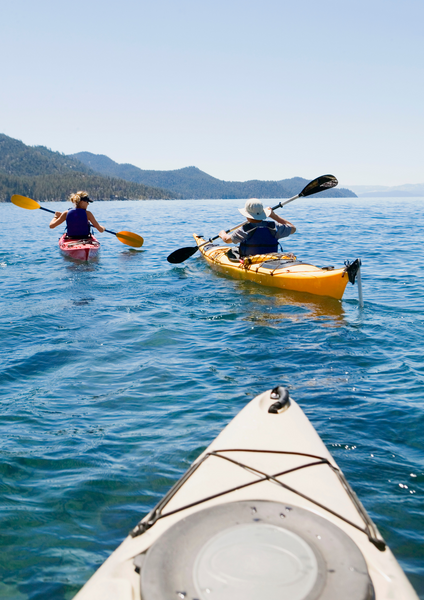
258,236
77,219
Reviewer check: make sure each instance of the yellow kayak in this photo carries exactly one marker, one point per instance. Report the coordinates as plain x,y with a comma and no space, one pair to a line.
279,270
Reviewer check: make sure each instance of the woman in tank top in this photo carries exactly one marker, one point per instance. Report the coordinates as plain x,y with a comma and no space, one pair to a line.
78,219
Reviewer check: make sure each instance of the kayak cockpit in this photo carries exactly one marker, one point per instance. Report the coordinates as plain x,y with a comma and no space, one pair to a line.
251,550
79,248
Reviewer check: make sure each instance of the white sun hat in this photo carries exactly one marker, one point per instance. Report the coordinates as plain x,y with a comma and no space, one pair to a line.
253,209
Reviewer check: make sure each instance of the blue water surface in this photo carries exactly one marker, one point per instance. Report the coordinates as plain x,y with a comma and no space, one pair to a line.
115,374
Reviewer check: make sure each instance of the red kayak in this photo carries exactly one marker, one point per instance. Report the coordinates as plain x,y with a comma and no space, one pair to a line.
83,249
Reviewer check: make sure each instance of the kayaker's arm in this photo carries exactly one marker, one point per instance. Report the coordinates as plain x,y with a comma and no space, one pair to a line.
225,237
93,221
59,217
279,219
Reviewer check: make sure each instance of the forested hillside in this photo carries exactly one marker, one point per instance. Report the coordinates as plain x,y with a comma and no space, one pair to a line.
191,182
43,175
46,188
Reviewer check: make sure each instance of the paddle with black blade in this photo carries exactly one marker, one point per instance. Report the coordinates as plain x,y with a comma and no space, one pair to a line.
320,184
125,237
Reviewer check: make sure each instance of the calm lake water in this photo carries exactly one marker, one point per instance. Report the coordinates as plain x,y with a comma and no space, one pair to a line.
116,374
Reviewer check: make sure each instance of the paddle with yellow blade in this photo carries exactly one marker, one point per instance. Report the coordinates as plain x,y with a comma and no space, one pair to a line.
125,237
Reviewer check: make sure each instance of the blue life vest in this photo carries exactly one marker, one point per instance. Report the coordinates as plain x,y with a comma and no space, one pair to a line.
260,239
77,223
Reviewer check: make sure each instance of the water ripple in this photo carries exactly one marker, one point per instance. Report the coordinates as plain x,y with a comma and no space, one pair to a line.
116,374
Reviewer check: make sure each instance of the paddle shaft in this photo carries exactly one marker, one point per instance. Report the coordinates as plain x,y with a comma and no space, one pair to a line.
47,210
52,211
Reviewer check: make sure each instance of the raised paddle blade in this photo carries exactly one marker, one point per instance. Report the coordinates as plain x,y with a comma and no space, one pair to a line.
325,182
24,202
130,239
182,254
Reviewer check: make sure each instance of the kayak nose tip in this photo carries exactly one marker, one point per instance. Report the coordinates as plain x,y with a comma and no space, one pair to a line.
281,398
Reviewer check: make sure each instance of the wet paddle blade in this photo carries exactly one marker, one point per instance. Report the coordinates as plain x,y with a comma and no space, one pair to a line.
130,239
24,202
182,254
325,182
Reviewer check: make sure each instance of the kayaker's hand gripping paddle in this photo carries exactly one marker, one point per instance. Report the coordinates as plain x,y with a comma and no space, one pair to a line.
319,184
125,237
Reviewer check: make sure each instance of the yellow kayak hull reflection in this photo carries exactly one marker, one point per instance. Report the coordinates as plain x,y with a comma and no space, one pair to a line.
296,277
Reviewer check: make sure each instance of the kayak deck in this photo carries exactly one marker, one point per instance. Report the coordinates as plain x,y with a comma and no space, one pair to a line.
82,249
276,270
266,485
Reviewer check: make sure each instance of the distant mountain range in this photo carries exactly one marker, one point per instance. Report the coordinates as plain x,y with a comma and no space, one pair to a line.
44,175
382,191
191,182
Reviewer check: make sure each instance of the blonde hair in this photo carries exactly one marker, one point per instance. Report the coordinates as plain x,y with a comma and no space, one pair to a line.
76,198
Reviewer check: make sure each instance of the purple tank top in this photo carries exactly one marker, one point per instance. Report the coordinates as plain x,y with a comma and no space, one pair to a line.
77,223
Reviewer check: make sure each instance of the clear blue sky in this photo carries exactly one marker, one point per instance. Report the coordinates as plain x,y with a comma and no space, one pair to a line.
242,89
